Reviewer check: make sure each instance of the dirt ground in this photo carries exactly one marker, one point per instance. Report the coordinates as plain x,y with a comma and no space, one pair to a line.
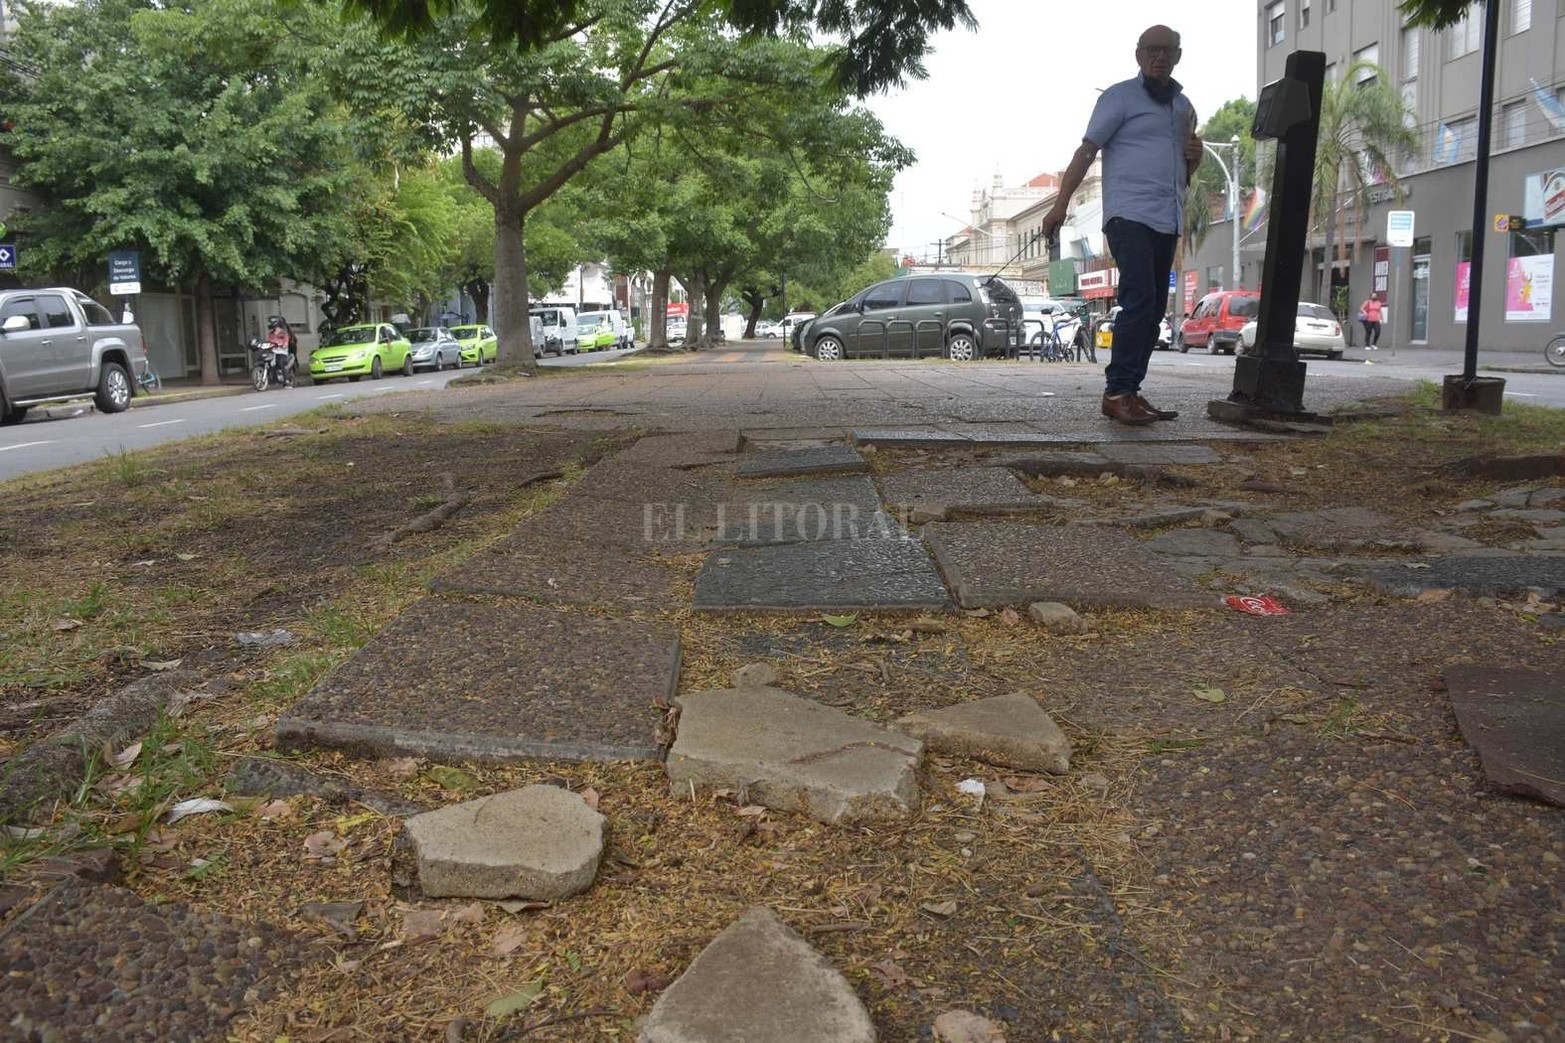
1315,857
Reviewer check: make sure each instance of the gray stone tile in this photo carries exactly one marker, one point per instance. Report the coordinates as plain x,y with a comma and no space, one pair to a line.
906,436
1497,575
825,576
803,511
495,681
549,569
1170,454
825,459
1515,719
992,564
961,488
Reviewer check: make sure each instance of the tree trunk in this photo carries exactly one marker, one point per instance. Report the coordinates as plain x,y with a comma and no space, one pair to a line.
755,301
206,337
695,330
478,289
510,307
714,313
657,324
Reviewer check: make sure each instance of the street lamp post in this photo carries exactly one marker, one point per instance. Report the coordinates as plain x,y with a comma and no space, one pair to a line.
1233,198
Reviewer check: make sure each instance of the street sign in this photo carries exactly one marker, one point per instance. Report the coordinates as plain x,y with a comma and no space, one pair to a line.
1399,228
124,272
1173,280
1502,222
7,257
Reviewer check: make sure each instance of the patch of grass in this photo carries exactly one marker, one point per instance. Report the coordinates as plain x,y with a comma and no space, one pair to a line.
129,469
340,625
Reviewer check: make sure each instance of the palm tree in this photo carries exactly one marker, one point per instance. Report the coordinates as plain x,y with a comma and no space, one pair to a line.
1364,129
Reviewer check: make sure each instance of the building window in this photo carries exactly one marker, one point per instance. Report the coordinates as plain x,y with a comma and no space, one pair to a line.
1465,36
1331,72
1410,104
1214,277
1369,60
1466,132
1412,47
1521,15
1276,22
1513,124
1304,14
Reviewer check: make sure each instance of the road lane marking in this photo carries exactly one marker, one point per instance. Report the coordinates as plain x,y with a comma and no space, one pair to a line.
322,398
161,423
252,409
26,445
423,383
1521,394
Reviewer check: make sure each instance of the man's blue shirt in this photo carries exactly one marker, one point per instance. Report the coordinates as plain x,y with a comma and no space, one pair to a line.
1143,146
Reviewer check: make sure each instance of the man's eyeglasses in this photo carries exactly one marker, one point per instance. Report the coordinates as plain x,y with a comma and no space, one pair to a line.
1159,50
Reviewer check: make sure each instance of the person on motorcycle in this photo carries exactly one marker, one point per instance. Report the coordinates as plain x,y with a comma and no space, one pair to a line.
280,338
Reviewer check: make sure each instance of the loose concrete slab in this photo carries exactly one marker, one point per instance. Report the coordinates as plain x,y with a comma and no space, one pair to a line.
972,489
620,523
804,511
1061,462
97,963
1010,730
1498,576
541,843
1159,455
1333,526
823,576
1195,543
993,564
635,482
498,682
688,449
758,982
1515,719
825,459
567,572
793,754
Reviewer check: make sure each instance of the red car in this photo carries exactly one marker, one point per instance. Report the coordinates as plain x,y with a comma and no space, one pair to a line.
1217,320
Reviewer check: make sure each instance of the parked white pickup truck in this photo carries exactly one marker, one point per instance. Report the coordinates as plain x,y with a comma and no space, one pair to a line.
58,344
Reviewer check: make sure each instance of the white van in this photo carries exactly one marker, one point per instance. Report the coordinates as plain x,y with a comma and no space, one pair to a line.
624,336
559,330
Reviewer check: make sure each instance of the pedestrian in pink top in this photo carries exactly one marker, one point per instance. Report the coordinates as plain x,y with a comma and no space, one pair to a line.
1369,314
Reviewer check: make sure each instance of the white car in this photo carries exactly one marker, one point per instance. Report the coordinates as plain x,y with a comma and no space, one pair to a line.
1165,332
790,322
1316,330
765,330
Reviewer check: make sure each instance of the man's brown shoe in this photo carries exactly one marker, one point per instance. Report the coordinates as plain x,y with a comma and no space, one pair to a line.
1160,414
1126,409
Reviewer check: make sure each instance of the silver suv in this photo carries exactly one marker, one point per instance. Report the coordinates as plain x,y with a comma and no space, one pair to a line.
949,315
57,344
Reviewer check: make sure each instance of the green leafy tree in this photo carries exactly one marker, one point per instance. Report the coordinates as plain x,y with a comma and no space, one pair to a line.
881,42
1436,14
1364,129
1208,191
191,132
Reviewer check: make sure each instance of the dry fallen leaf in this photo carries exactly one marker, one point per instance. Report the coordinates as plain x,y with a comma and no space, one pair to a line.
324,844
420,925
1433,594
590,797
161,665
946,908
470,913
752,811
275,810
508,939
126,757
889,974
401,767
196,806
639,981
63,625
1010,617
1018,784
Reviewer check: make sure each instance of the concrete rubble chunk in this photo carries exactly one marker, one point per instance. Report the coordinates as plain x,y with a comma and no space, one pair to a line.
758,982
1195,543
1010,730
789,753
539,843
1056,616
961,1026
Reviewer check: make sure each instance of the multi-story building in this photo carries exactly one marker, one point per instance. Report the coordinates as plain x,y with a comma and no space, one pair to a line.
1437,73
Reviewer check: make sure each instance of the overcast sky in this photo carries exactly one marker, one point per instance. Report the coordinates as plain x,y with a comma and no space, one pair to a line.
1014,97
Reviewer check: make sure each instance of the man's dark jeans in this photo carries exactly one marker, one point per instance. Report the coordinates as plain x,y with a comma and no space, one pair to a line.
1144,258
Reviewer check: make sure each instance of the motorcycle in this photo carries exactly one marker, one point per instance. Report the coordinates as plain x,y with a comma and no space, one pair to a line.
271,365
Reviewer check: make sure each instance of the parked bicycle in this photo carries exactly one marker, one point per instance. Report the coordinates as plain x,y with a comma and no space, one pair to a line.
150,381
1554,350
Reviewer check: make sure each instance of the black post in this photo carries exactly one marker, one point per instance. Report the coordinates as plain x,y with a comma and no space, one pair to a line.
1469,391
1272,380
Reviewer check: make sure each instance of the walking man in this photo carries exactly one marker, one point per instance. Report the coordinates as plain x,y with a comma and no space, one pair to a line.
1145,128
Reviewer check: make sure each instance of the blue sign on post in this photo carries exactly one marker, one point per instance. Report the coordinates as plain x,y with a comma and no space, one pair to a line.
1173,280
7,257
124,271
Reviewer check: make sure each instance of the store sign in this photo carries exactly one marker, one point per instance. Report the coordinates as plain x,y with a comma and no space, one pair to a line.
1464,282
1399,227
1101,283
1190,285
1544,197
1382,272
1529,288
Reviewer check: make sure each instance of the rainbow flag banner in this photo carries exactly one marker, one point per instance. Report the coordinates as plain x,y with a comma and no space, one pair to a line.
1255,213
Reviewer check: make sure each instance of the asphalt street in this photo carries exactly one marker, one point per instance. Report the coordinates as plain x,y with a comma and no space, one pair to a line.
68,436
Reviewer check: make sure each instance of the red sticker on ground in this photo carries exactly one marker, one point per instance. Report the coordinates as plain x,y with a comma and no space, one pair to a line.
1257,606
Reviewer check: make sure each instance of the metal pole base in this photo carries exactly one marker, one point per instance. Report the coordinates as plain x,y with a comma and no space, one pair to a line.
1269,386
1478,395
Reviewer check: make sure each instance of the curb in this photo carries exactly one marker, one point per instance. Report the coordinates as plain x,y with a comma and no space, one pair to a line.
1523,369
159,398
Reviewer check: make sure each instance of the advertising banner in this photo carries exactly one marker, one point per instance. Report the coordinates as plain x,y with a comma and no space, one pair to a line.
1190,283
1464,270
1382,281
1529,288
1544,197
